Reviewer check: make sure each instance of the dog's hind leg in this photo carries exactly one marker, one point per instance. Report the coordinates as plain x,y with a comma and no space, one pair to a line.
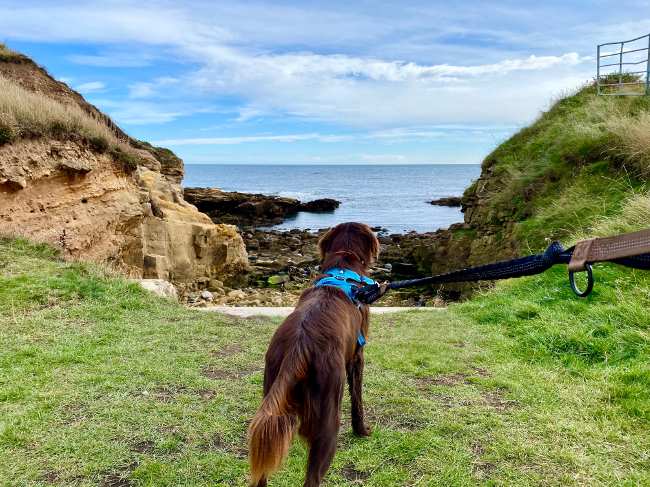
355,383
324,422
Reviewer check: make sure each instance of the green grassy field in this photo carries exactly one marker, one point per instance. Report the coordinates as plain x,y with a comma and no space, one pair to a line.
103,384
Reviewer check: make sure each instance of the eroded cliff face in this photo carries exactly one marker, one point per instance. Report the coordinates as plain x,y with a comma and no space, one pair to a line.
77,197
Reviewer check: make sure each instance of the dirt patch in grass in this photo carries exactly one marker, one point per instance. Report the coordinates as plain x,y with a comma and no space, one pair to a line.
218,443
480,469
222,374
207,394
227,351
481,371
495,399
399,421
353,475
144,446
119,478
168,393
51,477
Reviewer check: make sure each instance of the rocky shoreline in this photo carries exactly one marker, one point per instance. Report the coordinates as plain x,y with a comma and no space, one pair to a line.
282,263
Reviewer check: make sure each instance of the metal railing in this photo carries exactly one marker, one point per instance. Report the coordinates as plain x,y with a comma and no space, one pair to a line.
622,83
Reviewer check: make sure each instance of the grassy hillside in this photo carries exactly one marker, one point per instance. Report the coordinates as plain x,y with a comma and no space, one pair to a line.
103,384
581,160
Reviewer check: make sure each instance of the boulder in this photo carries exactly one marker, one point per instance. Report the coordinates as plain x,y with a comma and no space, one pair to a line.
207,295
159,287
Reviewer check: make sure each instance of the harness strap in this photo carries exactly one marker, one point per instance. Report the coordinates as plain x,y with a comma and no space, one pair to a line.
349,282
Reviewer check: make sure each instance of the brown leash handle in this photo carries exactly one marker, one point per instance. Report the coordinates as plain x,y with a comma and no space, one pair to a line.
609,248
629,250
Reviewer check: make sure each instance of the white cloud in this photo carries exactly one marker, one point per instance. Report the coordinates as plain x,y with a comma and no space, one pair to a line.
372,92
91,87
152,88
390,135
372,68
142,113
114,60
245,139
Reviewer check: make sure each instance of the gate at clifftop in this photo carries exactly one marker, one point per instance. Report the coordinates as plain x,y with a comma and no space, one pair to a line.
612,79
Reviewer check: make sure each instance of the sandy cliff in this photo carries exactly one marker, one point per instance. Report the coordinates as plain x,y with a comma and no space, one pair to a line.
124,206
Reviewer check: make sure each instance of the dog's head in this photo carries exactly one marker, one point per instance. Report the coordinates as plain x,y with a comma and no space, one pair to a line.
351,243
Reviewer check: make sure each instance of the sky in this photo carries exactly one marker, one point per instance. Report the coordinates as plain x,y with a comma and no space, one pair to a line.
321,82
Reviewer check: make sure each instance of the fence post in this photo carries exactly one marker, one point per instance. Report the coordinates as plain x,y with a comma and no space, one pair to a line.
647,70
598,69
620,65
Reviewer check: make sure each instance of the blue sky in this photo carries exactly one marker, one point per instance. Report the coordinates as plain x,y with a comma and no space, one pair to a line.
321,82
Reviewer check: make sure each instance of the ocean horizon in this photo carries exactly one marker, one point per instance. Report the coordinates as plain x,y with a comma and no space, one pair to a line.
393,196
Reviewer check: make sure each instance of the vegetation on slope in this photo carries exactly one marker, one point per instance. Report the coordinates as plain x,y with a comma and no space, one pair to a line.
7,55
24,114
35,105
101,383
579,161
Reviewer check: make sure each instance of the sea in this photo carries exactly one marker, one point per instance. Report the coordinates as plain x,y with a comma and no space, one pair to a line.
395,197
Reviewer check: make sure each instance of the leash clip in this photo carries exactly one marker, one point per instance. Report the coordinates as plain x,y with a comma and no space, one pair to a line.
590,282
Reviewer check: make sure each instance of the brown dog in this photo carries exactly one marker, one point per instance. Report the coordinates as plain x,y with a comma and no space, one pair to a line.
307,361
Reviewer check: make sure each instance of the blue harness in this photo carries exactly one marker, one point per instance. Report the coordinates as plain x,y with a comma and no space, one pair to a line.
347,281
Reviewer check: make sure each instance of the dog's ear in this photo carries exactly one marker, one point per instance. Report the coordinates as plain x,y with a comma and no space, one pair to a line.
325,242
372,244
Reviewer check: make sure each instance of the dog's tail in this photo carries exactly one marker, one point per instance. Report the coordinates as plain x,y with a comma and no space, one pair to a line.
271,430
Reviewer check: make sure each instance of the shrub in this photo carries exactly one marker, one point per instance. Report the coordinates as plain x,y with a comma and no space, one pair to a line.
126,159
8,128
98,143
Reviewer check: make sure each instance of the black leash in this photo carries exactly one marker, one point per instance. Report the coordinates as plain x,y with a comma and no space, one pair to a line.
523,266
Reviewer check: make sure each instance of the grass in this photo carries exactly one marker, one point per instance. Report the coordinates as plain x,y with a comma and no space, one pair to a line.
103,384
25,114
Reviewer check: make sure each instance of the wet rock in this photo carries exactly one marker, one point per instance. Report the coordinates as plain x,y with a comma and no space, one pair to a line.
320,206
452,201
251,210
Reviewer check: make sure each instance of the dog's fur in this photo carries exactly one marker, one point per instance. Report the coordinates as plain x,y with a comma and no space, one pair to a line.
306,364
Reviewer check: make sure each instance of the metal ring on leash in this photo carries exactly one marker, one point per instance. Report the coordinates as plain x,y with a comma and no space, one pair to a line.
590,282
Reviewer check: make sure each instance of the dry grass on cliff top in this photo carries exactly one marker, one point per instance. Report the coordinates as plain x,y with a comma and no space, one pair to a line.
25,114
103,384
7,54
